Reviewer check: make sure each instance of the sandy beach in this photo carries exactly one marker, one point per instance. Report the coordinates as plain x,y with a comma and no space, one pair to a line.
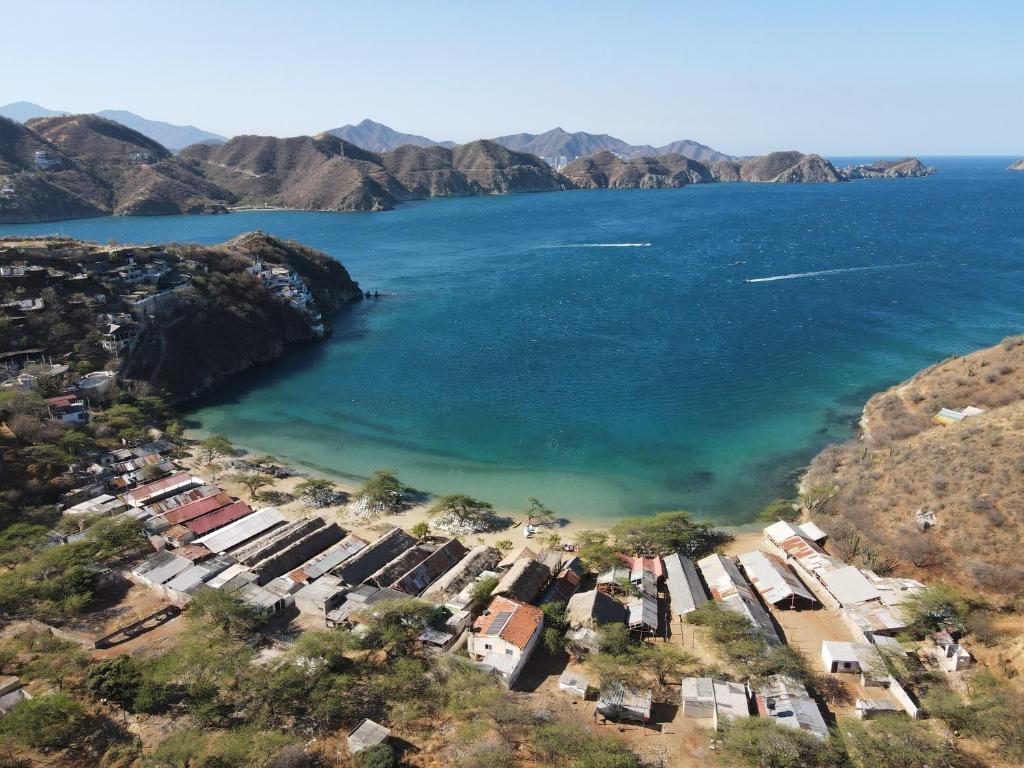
567,530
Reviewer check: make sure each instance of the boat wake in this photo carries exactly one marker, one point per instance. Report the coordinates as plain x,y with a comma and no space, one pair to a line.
606,245
797,275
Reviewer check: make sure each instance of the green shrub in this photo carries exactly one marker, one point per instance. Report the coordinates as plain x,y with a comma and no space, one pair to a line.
377,756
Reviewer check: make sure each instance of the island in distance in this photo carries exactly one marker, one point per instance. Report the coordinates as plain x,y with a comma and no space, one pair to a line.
1017,165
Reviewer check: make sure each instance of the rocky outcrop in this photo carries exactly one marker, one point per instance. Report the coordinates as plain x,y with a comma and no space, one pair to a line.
778,168
327,173
605,170
1016,165
889,169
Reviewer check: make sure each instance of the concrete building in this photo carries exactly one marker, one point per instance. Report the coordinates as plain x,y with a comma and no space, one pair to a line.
504,637
720,700
320,597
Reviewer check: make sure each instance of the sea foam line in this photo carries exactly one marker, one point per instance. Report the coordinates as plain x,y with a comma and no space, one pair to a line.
795,275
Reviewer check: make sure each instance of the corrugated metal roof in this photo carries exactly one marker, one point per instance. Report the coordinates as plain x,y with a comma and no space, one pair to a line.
218,519
240,531
685,591
643,612
788,703
729,588
773,579
476,561
417,579
329,558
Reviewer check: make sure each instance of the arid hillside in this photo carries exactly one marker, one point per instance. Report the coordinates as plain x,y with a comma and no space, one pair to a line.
969,474
325,172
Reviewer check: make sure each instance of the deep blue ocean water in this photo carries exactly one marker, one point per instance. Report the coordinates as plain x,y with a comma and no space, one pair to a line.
512,357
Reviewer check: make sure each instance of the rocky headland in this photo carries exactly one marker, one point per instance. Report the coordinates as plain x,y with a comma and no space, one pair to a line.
199,315
889,169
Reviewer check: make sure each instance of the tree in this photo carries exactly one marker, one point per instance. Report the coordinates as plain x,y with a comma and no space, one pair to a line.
666,533
378,756
936,608
52,721
214,447
230,614
117,680
565,744
760,742
480,594
421,530
615,640
465,510
384,489
666,661
779,509
538,514
596,552
395,625
317,492
893,741
252,481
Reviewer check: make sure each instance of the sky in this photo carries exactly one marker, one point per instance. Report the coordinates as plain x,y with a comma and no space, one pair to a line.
857,78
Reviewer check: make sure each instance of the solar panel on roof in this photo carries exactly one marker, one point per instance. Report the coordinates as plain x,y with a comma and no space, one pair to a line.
500,619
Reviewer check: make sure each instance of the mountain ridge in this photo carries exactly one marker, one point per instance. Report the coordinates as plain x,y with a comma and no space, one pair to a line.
173,137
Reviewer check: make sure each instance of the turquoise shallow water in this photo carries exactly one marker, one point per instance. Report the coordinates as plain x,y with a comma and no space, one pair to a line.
513,358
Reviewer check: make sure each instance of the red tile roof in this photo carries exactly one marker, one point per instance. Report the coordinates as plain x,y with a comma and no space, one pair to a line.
198,508
221,517
63,401
519,627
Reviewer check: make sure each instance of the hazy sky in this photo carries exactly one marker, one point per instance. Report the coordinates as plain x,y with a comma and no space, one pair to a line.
889,77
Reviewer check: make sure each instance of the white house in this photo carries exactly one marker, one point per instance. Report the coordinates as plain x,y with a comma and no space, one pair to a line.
718,699
503,638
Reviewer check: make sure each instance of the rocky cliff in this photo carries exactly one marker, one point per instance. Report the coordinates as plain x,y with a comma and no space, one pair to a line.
229,321
889,169
203,315
605,170
83,165
325,172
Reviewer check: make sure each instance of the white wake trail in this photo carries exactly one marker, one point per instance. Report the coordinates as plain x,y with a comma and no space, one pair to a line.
606,245
796,275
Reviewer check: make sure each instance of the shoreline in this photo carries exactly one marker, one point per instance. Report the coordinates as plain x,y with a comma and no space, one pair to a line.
370,528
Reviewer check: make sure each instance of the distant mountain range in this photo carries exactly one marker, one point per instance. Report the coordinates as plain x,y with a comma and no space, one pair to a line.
173,137
558,143
555,146
72,166
378,137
